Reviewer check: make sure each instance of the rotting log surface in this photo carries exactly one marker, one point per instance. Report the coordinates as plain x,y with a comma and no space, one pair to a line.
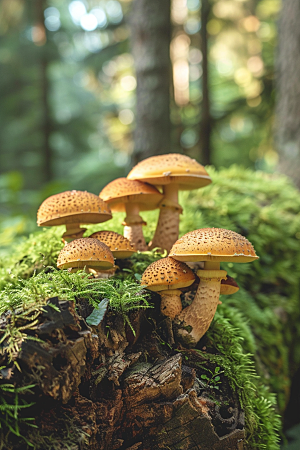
106,389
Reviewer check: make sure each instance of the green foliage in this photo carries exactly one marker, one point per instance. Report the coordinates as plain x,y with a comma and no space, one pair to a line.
293,435
96,317
10,407
29,255
140,261
213,379
124,296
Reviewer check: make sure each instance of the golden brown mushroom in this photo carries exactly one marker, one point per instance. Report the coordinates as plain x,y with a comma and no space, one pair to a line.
131,197
166,276
173,172
211,245
72,208
85,253
119,245
229,286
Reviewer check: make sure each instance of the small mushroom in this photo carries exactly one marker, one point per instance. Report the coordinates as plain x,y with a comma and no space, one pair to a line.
119,245
72,208
211,245
85,253
131,197
166,277
173,172
229,286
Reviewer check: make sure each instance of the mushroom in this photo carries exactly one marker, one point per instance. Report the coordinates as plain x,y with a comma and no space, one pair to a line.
211,245
173,172
229,286
119,245
131,197
85,253
166,276
72,208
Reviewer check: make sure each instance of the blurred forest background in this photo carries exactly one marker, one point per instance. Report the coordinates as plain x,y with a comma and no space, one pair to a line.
68,85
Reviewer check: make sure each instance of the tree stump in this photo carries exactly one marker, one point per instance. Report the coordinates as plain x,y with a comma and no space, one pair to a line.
107,388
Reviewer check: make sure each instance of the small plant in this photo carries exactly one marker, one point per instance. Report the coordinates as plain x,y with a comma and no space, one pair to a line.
213,379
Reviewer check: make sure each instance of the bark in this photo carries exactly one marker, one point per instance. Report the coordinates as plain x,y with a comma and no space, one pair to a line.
44,100
287,129
107,388
150,42
205,154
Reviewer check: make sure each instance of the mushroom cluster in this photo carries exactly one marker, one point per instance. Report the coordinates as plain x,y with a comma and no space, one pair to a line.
152,184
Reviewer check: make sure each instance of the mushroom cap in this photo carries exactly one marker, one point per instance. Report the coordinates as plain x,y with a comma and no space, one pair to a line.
85,252
229,286
167,273
72,207
122,190
171,168
213,244
119,245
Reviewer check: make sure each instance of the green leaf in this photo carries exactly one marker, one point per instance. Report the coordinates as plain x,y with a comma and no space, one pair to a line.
97,315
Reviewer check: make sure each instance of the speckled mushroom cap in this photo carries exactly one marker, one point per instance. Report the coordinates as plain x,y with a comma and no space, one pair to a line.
171,168
213,244
122,190
85,252
167,273
120,246
72,207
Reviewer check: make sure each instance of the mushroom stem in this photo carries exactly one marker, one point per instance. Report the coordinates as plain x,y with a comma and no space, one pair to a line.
103,273
211,265
73,231
201,312
167,230
170,192
133,226
170,304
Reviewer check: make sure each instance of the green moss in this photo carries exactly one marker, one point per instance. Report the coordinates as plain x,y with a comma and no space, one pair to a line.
231,337
25,299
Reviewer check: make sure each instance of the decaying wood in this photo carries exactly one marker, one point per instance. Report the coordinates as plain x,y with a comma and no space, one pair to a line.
108,389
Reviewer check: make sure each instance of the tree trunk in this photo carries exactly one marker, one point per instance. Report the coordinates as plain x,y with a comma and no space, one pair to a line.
287,130
106,388
205,156
150,42
44,102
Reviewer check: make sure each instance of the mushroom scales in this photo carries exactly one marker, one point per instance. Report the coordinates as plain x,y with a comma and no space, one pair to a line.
173,172
72,208
119,245
128,196
211,245
166,276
